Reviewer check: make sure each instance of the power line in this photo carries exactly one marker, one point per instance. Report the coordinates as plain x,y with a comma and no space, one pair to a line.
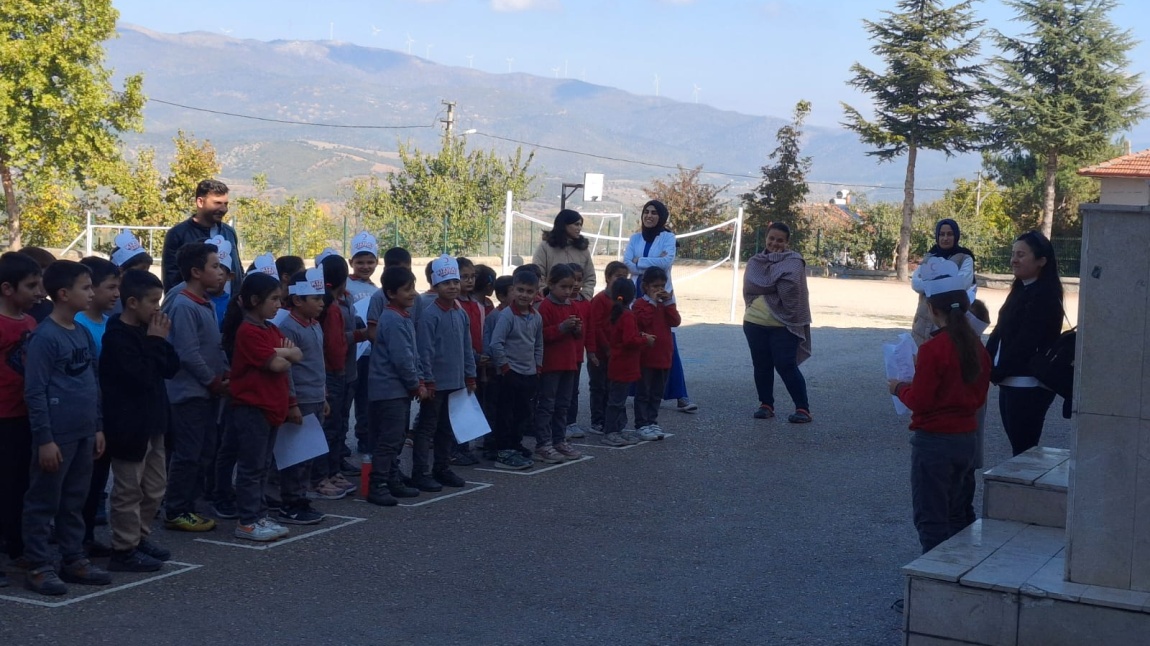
433,124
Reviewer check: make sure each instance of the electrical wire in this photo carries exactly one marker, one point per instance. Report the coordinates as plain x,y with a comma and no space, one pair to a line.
433,124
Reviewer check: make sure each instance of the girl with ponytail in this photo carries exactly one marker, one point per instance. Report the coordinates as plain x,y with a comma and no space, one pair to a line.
623,371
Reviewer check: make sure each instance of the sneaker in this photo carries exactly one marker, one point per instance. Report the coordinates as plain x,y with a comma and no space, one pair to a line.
613,439
274,526
325,490
301,514
687,406
596,429
463,458
380,495
569,452
399,489
575,432
801,416
548,455
340,482
83,572
256,532
347,468
44,580
225,509
651,433
448,478
133,561
511,460
424,482
155,551
97,550
190,522
631,437
764,412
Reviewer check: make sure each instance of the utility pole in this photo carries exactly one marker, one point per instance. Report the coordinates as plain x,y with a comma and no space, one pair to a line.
978,198
449,122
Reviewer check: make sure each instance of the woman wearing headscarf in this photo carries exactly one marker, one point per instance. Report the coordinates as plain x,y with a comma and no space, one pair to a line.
777,322
946,237
655,246
564,244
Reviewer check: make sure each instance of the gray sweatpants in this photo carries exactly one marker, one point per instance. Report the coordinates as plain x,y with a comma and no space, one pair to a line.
58,497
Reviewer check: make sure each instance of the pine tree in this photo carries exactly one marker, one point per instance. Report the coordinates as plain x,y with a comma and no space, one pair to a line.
784,187
1061,89
927,98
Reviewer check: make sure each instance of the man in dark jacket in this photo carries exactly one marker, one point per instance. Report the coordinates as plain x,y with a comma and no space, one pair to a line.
206,222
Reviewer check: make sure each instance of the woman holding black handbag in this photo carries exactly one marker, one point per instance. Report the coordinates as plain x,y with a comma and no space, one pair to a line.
1029,322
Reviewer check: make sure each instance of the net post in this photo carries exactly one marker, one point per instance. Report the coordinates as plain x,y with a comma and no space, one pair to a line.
507,222
735,262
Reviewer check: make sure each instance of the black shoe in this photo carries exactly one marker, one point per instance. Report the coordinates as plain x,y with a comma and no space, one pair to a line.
463,458
83,572
95,549
424,482
44,580
399,489
133,561
448,478
301,514
347,468
155,551
381,496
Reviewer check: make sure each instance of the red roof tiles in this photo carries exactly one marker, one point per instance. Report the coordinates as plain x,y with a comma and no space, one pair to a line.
1136,165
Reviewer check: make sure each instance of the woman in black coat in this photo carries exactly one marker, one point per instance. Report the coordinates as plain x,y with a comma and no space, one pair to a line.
1029,322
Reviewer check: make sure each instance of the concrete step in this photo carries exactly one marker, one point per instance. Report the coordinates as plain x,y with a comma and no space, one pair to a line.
1028,488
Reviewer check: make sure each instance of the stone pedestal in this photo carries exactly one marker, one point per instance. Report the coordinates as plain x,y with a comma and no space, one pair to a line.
1108,509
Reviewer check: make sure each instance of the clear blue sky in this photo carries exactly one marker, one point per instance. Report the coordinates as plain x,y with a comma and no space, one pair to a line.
752,56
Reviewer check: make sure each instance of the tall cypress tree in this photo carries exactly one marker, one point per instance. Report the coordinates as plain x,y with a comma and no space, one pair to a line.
1061,88
929,95
784,186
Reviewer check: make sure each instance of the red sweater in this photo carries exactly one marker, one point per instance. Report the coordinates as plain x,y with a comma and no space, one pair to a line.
583,311
599,340
626,347
13,334
561,350
657,320
938,398
252,383
476,313
334,340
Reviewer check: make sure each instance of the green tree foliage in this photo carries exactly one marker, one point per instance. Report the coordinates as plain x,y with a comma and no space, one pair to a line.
151,199
60,117
447,201
53,212
291,226
929,95
693,204
1061,88
194,161
784,187
981,213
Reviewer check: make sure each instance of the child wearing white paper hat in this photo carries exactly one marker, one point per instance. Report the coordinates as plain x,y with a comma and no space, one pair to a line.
222,294
360,287
129,253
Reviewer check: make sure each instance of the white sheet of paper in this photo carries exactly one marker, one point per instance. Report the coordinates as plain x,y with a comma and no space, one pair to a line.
298,442
467,418
360,309
898,358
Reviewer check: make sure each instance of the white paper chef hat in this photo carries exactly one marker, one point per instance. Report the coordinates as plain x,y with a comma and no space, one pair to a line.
940,275
127,247
312,285
266,263
364,242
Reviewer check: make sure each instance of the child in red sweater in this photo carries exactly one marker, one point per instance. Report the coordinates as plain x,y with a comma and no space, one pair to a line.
656,315
627,344
582,306
952,376
598,344
562,347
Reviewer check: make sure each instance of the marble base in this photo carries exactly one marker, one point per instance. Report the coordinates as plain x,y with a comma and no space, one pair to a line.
1029,488
1000,583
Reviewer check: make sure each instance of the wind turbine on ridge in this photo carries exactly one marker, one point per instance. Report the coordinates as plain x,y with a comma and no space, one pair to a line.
470,58
656,84
375,31
509,62
696,93
427,52
226,30
556,70
410,41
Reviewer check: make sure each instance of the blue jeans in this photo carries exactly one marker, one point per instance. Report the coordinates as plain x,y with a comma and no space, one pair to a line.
253,436
775,348
192,452
941,485
339,396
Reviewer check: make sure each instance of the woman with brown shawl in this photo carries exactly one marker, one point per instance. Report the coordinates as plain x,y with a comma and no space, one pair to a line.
777,322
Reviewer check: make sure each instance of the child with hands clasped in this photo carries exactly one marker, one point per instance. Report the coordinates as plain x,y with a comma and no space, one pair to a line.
952,376
627,344
656,314
261,398
562,349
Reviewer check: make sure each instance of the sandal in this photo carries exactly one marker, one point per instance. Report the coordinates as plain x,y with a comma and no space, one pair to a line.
801,416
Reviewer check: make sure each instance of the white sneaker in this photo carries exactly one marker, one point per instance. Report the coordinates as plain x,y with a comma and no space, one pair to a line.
279,529
256,532
687,406
650,433
575,432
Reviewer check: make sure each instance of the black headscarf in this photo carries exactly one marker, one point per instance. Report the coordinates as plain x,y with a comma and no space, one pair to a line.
947,253
650,234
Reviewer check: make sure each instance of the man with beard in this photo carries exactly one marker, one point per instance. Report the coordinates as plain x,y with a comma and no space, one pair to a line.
206,222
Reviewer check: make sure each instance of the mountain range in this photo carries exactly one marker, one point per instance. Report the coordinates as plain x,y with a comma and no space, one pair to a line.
400,96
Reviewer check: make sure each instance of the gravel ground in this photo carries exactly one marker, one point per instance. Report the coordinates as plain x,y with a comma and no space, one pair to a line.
734,531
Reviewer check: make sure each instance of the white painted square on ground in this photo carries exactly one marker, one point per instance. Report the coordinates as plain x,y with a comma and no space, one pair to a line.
622,448
534,471
78,593
298,532
479,486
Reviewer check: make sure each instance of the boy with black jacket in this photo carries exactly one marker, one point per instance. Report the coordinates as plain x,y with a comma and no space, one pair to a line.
136,360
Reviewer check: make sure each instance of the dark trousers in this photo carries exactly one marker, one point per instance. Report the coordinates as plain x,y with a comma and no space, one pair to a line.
192,454
58,498
597,385
250,431
551,402
1023,413
516,410
649,395
101,467
941,485
432,433
776,349
363,423
615,419
389,419
573,405
224,462
339,396
294,480
15,449
492,389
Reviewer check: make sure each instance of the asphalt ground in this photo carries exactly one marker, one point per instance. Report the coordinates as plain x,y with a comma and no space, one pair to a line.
733,531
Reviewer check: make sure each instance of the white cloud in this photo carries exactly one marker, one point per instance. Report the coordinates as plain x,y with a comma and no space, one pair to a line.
523,5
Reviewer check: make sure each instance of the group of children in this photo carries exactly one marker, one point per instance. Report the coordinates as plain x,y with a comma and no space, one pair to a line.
180,396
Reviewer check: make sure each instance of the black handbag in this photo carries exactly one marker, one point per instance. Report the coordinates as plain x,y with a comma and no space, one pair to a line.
1054,368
